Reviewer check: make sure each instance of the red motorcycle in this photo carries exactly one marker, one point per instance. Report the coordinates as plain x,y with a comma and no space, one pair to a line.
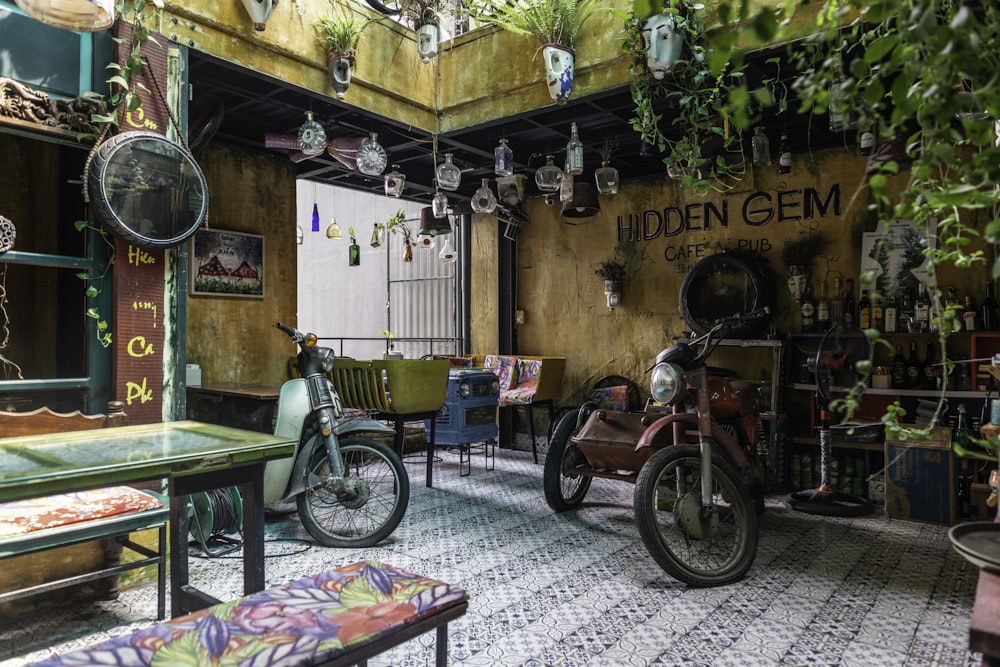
697,455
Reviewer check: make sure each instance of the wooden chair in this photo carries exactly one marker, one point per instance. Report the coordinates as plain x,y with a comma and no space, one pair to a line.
42,557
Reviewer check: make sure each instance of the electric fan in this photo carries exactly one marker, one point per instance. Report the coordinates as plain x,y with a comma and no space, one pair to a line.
835,364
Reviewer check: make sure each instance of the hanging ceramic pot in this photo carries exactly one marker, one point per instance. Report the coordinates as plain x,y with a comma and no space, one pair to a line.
259,11
663,41
558,71
341,65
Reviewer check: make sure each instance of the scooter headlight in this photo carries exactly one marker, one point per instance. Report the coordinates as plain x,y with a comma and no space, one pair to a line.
666,383
325,358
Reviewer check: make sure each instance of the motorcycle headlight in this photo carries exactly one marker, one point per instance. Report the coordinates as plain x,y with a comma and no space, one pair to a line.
666,383
465,390
325,359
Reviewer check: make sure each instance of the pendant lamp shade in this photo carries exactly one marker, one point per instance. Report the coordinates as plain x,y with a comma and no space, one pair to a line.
583,203
432,226
76,15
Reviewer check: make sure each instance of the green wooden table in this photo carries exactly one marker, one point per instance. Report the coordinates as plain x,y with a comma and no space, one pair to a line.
192,456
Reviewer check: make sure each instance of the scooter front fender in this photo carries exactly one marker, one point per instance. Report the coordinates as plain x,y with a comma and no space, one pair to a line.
293,408
660,434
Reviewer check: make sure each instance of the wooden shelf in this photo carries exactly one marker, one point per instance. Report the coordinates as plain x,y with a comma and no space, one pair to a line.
838,444
919,393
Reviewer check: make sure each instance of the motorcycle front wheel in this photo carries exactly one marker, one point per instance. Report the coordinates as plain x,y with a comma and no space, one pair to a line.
699,548
374,502
564,491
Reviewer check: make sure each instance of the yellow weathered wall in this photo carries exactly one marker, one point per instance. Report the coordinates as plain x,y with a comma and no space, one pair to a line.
564,304
234,339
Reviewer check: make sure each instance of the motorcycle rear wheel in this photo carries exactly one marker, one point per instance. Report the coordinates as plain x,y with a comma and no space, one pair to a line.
367,517
564,492
701,552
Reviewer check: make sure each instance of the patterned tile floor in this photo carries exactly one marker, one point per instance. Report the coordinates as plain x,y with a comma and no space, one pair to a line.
579,588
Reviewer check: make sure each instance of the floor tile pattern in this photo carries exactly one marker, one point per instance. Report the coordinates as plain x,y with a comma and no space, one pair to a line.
579,588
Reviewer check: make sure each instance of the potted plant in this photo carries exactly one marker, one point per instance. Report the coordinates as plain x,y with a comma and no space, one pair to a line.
338,35
612,272
555,24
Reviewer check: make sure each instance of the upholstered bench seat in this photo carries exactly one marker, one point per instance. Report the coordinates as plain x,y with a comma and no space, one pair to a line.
338,617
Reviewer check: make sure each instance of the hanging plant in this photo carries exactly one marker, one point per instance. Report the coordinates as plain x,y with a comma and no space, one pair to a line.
397,224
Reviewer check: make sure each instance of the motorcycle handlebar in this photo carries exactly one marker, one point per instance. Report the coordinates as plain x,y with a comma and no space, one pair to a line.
739,318
292,333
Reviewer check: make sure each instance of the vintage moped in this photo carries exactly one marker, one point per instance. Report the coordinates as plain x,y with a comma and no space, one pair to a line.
697,455
350,490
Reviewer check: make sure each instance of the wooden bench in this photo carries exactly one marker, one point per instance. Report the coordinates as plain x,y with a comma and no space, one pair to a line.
339,617
69,527
525,381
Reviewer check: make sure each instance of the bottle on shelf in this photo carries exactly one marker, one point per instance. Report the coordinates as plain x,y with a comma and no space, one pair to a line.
891,315
914,372
921,309
969,315
930,369
899,369
807,309
878,312
864,310
837,302
850,315
963,490
905,316
989,314
822,309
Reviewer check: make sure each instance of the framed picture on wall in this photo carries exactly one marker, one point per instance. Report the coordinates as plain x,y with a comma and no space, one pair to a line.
226,264
895,254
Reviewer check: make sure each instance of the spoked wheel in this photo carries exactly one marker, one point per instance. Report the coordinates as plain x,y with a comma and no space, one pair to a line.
698,548
564,491
377,491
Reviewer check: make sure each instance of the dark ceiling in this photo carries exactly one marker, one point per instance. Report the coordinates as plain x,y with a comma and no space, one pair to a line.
246,106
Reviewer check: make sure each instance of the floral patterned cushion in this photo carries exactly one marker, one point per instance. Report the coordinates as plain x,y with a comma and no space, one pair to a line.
301,623
26,516
609,398
505,368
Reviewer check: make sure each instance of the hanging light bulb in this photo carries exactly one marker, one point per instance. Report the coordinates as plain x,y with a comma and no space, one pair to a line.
484,201
312,137
449,177
315,218
761,148
75,15
333,231
606,178
299,235
447,254
503,159
394,182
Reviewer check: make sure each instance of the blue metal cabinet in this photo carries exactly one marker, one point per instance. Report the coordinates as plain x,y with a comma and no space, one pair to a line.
469,413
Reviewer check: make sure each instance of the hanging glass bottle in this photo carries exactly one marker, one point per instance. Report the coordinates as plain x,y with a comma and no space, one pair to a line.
784,155
312,138
503,159
867,142
548,177
607,179
333,231
439,205
315,218
447,254
566,188
840,114
376,239
449,177
761,148
574,153
371,157
394,182
484,201
354,255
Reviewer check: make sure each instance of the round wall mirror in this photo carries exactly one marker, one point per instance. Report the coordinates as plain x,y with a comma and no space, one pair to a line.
147,189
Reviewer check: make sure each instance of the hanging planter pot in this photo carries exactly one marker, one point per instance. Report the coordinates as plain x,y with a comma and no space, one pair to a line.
341,65
558,71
